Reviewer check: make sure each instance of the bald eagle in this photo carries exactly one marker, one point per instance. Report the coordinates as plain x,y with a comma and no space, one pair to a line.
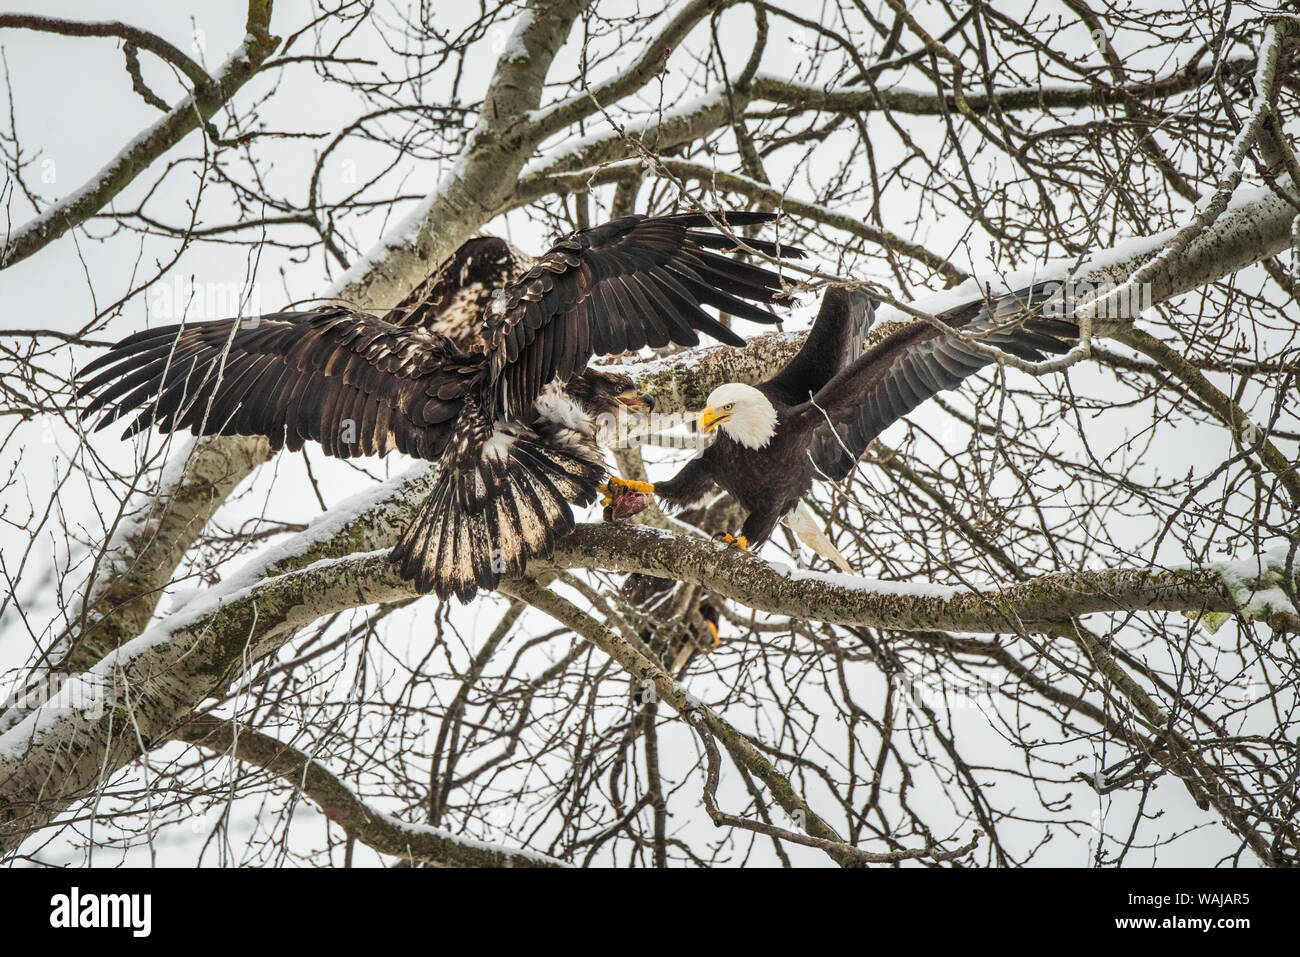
816,416
505,404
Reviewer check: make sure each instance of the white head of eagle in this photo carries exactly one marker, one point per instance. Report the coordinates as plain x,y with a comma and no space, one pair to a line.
742,412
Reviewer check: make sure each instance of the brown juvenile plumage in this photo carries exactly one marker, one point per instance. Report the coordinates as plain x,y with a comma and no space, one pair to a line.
481,369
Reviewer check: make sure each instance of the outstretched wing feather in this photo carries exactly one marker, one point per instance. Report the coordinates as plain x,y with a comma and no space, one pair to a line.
914,363
357,384
621,286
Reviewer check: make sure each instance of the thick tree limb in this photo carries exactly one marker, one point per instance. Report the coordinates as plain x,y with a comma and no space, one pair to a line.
375,829
781,90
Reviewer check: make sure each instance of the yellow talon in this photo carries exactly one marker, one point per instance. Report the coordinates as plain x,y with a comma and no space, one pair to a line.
739,541
610,489
713,630
618,495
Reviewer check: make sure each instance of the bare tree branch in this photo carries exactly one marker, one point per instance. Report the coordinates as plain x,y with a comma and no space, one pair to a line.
195,109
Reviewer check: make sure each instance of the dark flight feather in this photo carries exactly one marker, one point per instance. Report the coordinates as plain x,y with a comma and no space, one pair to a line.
832,399
672,271
916,362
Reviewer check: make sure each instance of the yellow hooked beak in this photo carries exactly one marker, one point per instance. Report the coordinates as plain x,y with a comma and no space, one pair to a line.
708,420
636,401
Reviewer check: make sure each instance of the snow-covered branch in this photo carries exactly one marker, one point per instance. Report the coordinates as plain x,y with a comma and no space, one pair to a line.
862,99
148,146
375,829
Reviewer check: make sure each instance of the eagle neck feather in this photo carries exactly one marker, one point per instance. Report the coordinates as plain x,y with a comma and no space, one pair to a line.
755,427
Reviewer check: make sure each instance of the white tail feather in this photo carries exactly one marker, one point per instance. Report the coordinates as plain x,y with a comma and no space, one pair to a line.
803,522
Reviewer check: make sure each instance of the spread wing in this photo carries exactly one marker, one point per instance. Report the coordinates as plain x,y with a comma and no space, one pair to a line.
357,384
623,285
835,340
918,361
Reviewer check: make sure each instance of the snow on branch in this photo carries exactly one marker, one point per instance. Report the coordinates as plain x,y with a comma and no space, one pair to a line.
338,802
899,99
150,144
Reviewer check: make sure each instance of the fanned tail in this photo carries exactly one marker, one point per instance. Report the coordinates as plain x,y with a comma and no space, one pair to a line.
485,521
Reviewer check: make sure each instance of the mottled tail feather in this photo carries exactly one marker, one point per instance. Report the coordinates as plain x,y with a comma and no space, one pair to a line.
481,523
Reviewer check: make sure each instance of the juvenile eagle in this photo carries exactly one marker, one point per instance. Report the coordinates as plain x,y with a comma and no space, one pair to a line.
508,409
816,416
